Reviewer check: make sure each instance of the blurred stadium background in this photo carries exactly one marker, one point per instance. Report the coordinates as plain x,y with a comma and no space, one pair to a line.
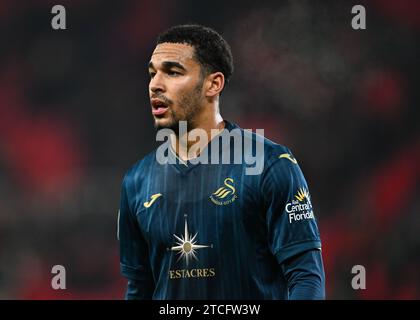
74,116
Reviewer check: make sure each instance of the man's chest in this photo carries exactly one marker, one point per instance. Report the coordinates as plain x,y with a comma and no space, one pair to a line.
172,208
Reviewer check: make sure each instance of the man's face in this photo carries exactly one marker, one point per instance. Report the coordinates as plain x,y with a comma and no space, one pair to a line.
175,87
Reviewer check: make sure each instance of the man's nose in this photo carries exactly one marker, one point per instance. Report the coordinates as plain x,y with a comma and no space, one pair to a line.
156,83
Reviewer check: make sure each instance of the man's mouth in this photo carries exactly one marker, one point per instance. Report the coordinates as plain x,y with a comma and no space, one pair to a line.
158,107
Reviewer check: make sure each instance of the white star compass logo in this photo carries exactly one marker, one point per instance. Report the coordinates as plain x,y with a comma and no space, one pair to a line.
186,246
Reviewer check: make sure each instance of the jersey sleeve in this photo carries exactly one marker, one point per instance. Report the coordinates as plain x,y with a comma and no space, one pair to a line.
291,223
134,256
305,276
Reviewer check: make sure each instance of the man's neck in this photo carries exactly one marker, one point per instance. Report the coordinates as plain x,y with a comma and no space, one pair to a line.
189,145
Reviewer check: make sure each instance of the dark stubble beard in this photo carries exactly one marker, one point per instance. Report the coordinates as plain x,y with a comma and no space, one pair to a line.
190,106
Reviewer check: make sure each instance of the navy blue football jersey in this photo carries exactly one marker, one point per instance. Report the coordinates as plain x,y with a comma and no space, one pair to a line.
212,231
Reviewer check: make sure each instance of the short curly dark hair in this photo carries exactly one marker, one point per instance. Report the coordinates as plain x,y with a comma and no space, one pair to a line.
211,50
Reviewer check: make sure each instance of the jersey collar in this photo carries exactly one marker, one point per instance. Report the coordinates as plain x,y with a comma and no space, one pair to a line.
185,166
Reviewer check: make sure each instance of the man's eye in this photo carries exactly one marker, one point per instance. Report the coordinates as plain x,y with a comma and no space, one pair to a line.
173,73
152,74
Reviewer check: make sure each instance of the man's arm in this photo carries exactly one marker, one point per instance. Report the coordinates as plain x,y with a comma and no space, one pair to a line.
139,290
293,233
134,253
305,276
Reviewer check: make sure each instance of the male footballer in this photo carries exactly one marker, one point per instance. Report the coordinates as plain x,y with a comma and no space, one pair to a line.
213,229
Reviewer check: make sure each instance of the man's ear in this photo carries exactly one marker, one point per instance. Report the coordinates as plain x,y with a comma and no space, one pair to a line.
215,83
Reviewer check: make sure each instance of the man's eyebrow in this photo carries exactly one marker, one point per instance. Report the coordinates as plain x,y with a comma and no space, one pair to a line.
168,65
171,64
